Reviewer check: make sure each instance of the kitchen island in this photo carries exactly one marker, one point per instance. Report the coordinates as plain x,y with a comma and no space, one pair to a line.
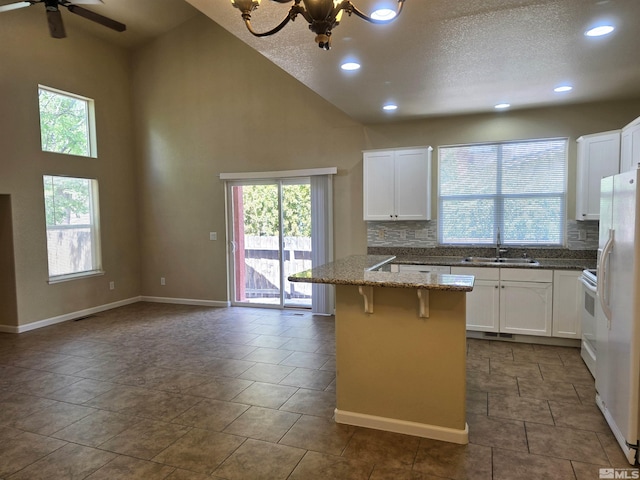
400,347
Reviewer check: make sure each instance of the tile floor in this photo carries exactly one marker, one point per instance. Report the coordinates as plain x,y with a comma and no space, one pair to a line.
155,391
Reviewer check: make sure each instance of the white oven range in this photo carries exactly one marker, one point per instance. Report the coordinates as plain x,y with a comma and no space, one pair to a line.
588,312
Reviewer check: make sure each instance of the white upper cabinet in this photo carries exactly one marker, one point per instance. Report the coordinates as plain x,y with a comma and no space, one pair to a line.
630,149
397,184
598,157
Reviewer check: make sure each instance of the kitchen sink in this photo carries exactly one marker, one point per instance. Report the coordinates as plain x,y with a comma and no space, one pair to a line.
500,261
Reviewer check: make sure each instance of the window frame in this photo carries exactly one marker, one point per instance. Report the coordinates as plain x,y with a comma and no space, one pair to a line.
499,198
93,226
92,143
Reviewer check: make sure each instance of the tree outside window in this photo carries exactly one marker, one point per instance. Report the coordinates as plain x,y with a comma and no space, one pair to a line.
66,123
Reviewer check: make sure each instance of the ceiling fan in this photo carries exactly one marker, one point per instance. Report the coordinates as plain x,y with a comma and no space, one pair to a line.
54,18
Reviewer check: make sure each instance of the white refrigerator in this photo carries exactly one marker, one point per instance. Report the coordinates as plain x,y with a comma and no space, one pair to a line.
618,318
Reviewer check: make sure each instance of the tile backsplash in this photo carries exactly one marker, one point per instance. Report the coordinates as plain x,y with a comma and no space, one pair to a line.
424,234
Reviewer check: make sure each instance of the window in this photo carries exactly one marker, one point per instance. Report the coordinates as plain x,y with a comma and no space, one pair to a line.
67,123
515,188
73,240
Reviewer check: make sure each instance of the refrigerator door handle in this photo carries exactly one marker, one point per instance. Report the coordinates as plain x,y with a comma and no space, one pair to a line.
603,277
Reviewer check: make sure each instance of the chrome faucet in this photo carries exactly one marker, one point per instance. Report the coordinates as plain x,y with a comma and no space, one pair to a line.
499,251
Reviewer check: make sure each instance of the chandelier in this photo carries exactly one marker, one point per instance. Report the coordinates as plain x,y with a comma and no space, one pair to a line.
322,15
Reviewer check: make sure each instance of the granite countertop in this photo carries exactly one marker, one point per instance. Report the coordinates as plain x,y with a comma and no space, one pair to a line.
544,263
547,258
368,270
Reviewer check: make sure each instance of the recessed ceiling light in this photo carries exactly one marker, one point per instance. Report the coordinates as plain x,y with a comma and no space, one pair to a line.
390,107
599,31
563,88
501,106
383,14
350,66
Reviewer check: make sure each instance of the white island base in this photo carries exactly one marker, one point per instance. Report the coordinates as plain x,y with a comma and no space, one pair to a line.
398,371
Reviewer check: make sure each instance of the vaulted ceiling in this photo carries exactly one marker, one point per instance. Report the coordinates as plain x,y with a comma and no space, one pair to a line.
440,57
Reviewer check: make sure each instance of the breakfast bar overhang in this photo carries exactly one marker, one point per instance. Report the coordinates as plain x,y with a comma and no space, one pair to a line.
400,347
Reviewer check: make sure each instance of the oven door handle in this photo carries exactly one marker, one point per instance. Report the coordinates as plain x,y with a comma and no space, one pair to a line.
588,285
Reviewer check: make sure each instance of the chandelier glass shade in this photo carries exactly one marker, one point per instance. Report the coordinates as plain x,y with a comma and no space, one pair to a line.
323,16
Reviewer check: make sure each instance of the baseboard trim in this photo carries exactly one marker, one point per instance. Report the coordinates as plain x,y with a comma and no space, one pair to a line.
101,308
66,317
434,432
186,301
516,338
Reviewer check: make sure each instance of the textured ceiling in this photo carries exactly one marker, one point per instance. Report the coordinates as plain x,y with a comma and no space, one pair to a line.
444,57
440,57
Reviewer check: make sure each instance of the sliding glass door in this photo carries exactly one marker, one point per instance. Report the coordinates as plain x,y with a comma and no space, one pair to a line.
270,240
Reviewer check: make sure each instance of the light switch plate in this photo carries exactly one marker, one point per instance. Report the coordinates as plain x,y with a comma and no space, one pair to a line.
213,235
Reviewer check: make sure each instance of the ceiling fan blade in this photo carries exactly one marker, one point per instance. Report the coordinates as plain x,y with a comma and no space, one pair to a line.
56,27
14,6
95,17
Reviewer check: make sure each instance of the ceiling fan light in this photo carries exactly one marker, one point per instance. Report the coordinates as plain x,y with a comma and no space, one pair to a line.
563,88
502,106
390,107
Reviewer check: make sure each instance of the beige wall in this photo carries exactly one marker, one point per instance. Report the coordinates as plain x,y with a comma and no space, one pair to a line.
207,104
84,65
203,104
8,307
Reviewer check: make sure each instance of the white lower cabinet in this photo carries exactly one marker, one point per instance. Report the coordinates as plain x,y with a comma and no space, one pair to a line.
483,302
525,307
510,300
567,295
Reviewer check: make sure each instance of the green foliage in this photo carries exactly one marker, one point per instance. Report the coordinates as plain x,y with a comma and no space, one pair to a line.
64,123
66,199
261,210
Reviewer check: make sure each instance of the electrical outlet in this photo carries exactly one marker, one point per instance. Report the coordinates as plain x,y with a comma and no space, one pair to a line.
582,234
112,285
162,281
381,234
403,234
213,235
